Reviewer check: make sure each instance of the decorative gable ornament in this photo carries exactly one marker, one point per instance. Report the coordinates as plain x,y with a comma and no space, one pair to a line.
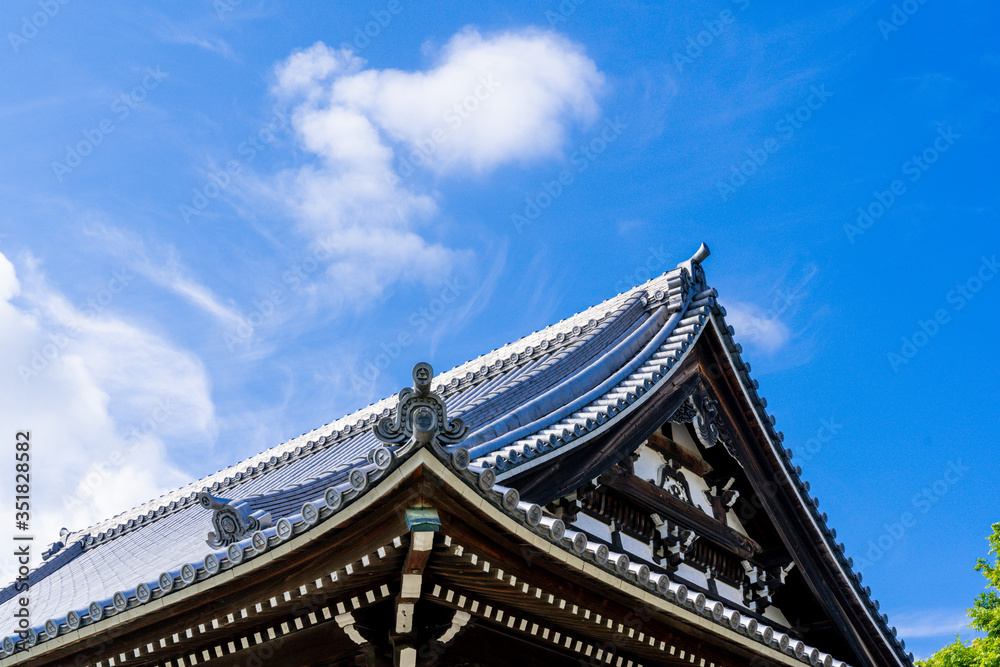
58,545
672,480
232,520
422,419
702,411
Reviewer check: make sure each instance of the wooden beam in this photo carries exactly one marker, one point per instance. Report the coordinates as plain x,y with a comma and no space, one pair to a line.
320,645
404,635
671,449
488,646
655,500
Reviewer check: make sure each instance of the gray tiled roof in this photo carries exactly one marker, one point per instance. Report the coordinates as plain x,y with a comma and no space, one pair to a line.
523,401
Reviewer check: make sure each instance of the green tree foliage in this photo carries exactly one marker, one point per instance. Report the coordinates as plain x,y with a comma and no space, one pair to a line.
985,615
956,654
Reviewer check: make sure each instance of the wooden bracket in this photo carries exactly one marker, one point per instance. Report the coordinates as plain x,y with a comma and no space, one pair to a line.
403,635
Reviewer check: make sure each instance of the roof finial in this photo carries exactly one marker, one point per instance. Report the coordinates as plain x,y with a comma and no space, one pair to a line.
702,254
693,267
421,416
233,520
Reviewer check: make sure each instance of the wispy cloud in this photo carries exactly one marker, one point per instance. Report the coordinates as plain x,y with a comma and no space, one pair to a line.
173,276
478,300
930,623
752,324
162,266
764,322
176,33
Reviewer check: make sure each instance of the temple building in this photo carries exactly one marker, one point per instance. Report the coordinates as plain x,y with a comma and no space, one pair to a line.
610,490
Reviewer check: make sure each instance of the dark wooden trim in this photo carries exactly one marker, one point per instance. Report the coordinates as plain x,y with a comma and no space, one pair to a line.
373,528
490,645
531,565
363,534
415,561
789,516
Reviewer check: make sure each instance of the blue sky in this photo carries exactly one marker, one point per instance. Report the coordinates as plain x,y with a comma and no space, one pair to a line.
226,224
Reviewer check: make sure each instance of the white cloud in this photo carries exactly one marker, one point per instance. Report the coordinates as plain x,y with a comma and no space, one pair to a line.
303,70
499,100
487,102
100,396
755,327
9,286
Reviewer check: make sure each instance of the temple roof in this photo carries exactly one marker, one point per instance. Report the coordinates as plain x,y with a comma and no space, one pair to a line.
525,405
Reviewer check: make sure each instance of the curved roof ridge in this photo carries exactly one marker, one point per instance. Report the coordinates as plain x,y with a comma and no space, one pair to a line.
448,383
551,405
653,369
529,385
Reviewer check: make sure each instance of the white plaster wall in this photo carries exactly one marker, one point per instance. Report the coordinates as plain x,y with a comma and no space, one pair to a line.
775,614
637,548
734,521
595,527
683,438
694,576
647,466
729,593
699,491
